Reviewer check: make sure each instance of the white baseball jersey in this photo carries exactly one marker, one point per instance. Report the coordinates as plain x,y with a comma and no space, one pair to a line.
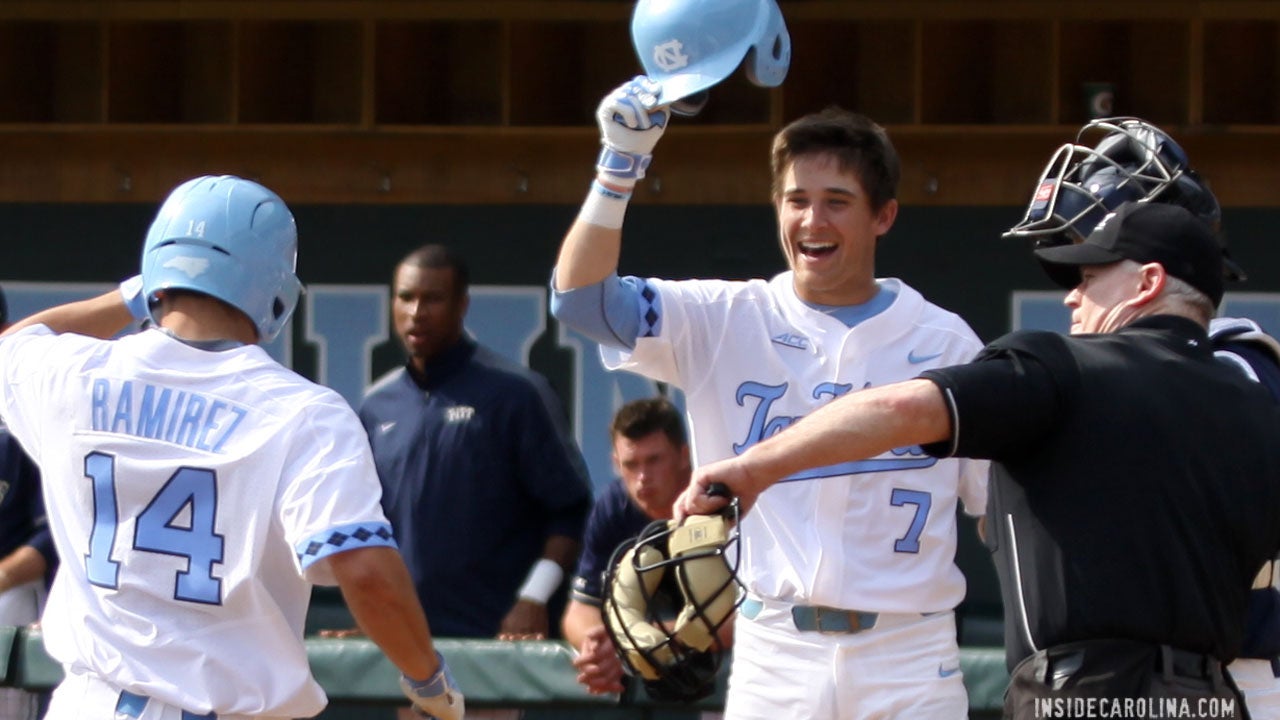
193,497
876,535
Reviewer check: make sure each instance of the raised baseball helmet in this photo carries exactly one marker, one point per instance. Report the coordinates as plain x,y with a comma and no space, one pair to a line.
229,238
690,45
667,593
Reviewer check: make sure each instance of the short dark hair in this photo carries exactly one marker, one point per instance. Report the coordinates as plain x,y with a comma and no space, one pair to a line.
640,418
438,257
855,141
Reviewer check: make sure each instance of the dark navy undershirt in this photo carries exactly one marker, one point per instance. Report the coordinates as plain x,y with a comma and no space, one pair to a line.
22,516
614,519
1262,633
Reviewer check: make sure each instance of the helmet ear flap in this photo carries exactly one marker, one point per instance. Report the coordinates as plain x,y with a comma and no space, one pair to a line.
766,63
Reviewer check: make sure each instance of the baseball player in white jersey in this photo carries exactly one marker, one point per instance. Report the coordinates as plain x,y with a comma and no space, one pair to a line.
196,488
849,569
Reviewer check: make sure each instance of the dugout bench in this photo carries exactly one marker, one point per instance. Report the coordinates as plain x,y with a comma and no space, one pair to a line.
536,675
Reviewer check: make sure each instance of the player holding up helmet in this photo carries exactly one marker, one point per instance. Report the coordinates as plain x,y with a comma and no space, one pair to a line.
843,562
1115,160
196,488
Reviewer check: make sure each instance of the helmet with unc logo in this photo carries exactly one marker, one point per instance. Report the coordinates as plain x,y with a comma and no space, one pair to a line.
229,238
690,45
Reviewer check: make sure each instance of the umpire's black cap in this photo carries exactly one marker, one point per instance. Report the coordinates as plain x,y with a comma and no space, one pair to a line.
1146,233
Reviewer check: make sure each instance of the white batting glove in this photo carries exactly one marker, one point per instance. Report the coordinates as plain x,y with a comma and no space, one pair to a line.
631,121
436,697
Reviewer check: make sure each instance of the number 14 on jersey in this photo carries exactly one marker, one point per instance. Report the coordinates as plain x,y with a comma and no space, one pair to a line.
158,528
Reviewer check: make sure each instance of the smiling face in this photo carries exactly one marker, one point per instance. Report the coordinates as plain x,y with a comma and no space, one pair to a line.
828,230
427,311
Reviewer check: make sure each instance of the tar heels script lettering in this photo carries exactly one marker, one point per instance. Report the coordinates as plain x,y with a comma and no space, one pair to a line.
764,425
163,413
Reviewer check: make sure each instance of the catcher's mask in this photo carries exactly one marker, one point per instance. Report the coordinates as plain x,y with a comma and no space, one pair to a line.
667,593
1114,161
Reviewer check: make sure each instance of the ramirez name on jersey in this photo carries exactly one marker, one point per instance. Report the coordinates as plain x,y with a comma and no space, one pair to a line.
164,413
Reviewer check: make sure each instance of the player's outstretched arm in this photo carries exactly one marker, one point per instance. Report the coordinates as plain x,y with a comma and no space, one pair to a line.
856,426
379,593
631,122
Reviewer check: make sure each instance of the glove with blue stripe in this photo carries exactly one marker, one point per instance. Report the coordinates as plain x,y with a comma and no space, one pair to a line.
437,697
631,122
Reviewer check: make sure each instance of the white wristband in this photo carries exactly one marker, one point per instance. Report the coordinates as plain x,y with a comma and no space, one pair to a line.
544,577
604,206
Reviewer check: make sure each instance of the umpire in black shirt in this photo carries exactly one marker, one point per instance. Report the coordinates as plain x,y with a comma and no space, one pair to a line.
1134,493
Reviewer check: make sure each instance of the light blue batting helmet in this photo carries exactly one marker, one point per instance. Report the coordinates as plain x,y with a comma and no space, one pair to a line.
690,45
229,238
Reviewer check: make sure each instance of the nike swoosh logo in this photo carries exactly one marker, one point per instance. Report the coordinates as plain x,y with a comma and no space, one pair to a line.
386,426
915,359
947,672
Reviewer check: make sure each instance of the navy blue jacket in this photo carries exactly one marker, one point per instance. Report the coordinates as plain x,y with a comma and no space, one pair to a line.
477,471
22,517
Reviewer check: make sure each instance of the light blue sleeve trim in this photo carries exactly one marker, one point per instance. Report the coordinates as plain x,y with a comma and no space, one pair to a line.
343,538
608,311
134,298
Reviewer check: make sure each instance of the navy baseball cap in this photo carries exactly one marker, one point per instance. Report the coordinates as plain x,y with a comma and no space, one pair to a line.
1145,233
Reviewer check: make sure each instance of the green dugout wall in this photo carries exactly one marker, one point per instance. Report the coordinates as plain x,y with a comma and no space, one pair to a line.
534,675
